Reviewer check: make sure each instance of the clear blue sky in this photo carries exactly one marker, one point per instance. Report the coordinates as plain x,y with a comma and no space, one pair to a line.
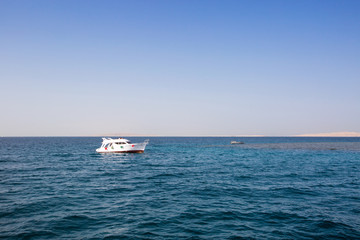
179,67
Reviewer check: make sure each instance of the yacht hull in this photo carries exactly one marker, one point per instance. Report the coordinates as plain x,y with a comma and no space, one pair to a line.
129,151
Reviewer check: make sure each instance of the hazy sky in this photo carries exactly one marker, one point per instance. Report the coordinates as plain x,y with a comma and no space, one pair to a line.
179,67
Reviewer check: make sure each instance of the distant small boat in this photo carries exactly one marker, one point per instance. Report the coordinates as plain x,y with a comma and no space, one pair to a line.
236,142
121,145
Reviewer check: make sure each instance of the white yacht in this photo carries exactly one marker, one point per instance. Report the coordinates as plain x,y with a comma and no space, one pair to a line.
121,145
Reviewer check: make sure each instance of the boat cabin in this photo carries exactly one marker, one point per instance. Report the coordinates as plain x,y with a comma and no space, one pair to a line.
108,142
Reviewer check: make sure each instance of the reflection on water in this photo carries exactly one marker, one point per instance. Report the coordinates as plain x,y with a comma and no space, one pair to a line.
342,146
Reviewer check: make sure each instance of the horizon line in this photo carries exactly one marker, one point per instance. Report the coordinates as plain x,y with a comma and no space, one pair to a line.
235,136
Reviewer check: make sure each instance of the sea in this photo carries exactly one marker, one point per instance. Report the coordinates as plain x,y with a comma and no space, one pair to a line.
180,188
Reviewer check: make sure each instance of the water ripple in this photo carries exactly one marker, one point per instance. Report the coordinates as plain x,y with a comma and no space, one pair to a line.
180,188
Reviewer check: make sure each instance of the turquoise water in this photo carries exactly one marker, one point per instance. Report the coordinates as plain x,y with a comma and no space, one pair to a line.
181,188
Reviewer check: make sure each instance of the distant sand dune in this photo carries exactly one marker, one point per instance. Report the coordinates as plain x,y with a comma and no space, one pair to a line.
332,134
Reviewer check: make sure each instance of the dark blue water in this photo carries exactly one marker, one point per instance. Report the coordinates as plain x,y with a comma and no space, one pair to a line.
181,188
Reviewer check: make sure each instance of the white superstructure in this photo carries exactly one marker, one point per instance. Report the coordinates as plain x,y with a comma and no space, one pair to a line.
121,145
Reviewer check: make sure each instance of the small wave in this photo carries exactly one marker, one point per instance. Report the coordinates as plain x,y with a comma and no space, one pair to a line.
282,216
192,214
62,155
149,224
165,175
117,236
224,215
77,218
327,224
28,234
119,190
24,209
290,191
73,222
244,177
330,229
